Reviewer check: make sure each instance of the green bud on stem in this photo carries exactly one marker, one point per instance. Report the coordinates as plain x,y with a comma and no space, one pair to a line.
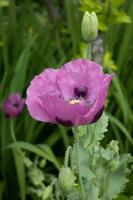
66,178
47,192
89,26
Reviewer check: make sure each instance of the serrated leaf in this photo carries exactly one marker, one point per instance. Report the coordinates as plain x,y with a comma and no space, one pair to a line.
115,183
96,132
100,127
103,171
84,164
91,191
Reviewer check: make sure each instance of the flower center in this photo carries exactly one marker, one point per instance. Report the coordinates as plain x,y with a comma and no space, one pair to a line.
16,104
74,101
80,92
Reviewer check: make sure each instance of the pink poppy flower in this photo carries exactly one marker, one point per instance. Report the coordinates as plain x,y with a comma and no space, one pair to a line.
13,106
73,95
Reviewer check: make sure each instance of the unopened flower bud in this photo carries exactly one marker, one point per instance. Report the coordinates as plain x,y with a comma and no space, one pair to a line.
13,106
42,163
113,145
47,192
28,163
66,178
114,164
89,26
36,176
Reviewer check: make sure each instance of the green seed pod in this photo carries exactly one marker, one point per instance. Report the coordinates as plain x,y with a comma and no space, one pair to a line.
89,26
66,178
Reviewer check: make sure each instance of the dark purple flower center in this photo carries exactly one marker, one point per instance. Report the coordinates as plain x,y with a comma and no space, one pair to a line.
80,92
16,104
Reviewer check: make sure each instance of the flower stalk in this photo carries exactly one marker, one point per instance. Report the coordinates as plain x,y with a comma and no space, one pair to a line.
75,131
12,131
89,54
89,29
66,161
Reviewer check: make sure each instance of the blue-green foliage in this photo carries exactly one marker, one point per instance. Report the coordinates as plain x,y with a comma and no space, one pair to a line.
103,171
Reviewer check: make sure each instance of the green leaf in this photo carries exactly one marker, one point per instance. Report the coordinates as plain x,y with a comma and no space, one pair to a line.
85,171
49,151
115,121
1,190
103,170
71,15
100,127
117,3
20,71
122,18
20,172
37,150
102,26
115,183
95,132
91,191
108,62
4,3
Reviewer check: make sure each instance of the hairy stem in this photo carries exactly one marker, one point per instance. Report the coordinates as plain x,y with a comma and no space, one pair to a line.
67,156
77,163
89,56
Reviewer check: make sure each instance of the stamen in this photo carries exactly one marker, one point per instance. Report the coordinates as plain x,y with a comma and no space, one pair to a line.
74,101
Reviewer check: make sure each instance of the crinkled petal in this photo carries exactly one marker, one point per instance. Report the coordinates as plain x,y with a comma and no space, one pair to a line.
53,109
95,112
80,73
14,97
13,106
44,83
83,65
37,109
50,93
67,81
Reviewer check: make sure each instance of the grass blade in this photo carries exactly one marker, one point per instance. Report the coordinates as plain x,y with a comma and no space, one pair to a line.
37,150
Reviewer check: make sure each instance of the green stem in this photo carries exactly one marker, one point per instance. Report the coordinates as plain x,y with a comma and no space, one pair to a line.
67,156
14,137
72,162
12,131
89,56
77,162
3,136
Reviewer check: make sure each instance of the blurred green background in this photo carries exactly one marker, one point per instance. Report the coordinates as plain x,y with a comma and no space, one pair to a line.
35,35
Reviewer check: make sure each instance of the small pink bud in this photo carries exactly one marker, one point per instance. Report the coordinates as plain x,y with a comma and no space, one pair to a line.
13,106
